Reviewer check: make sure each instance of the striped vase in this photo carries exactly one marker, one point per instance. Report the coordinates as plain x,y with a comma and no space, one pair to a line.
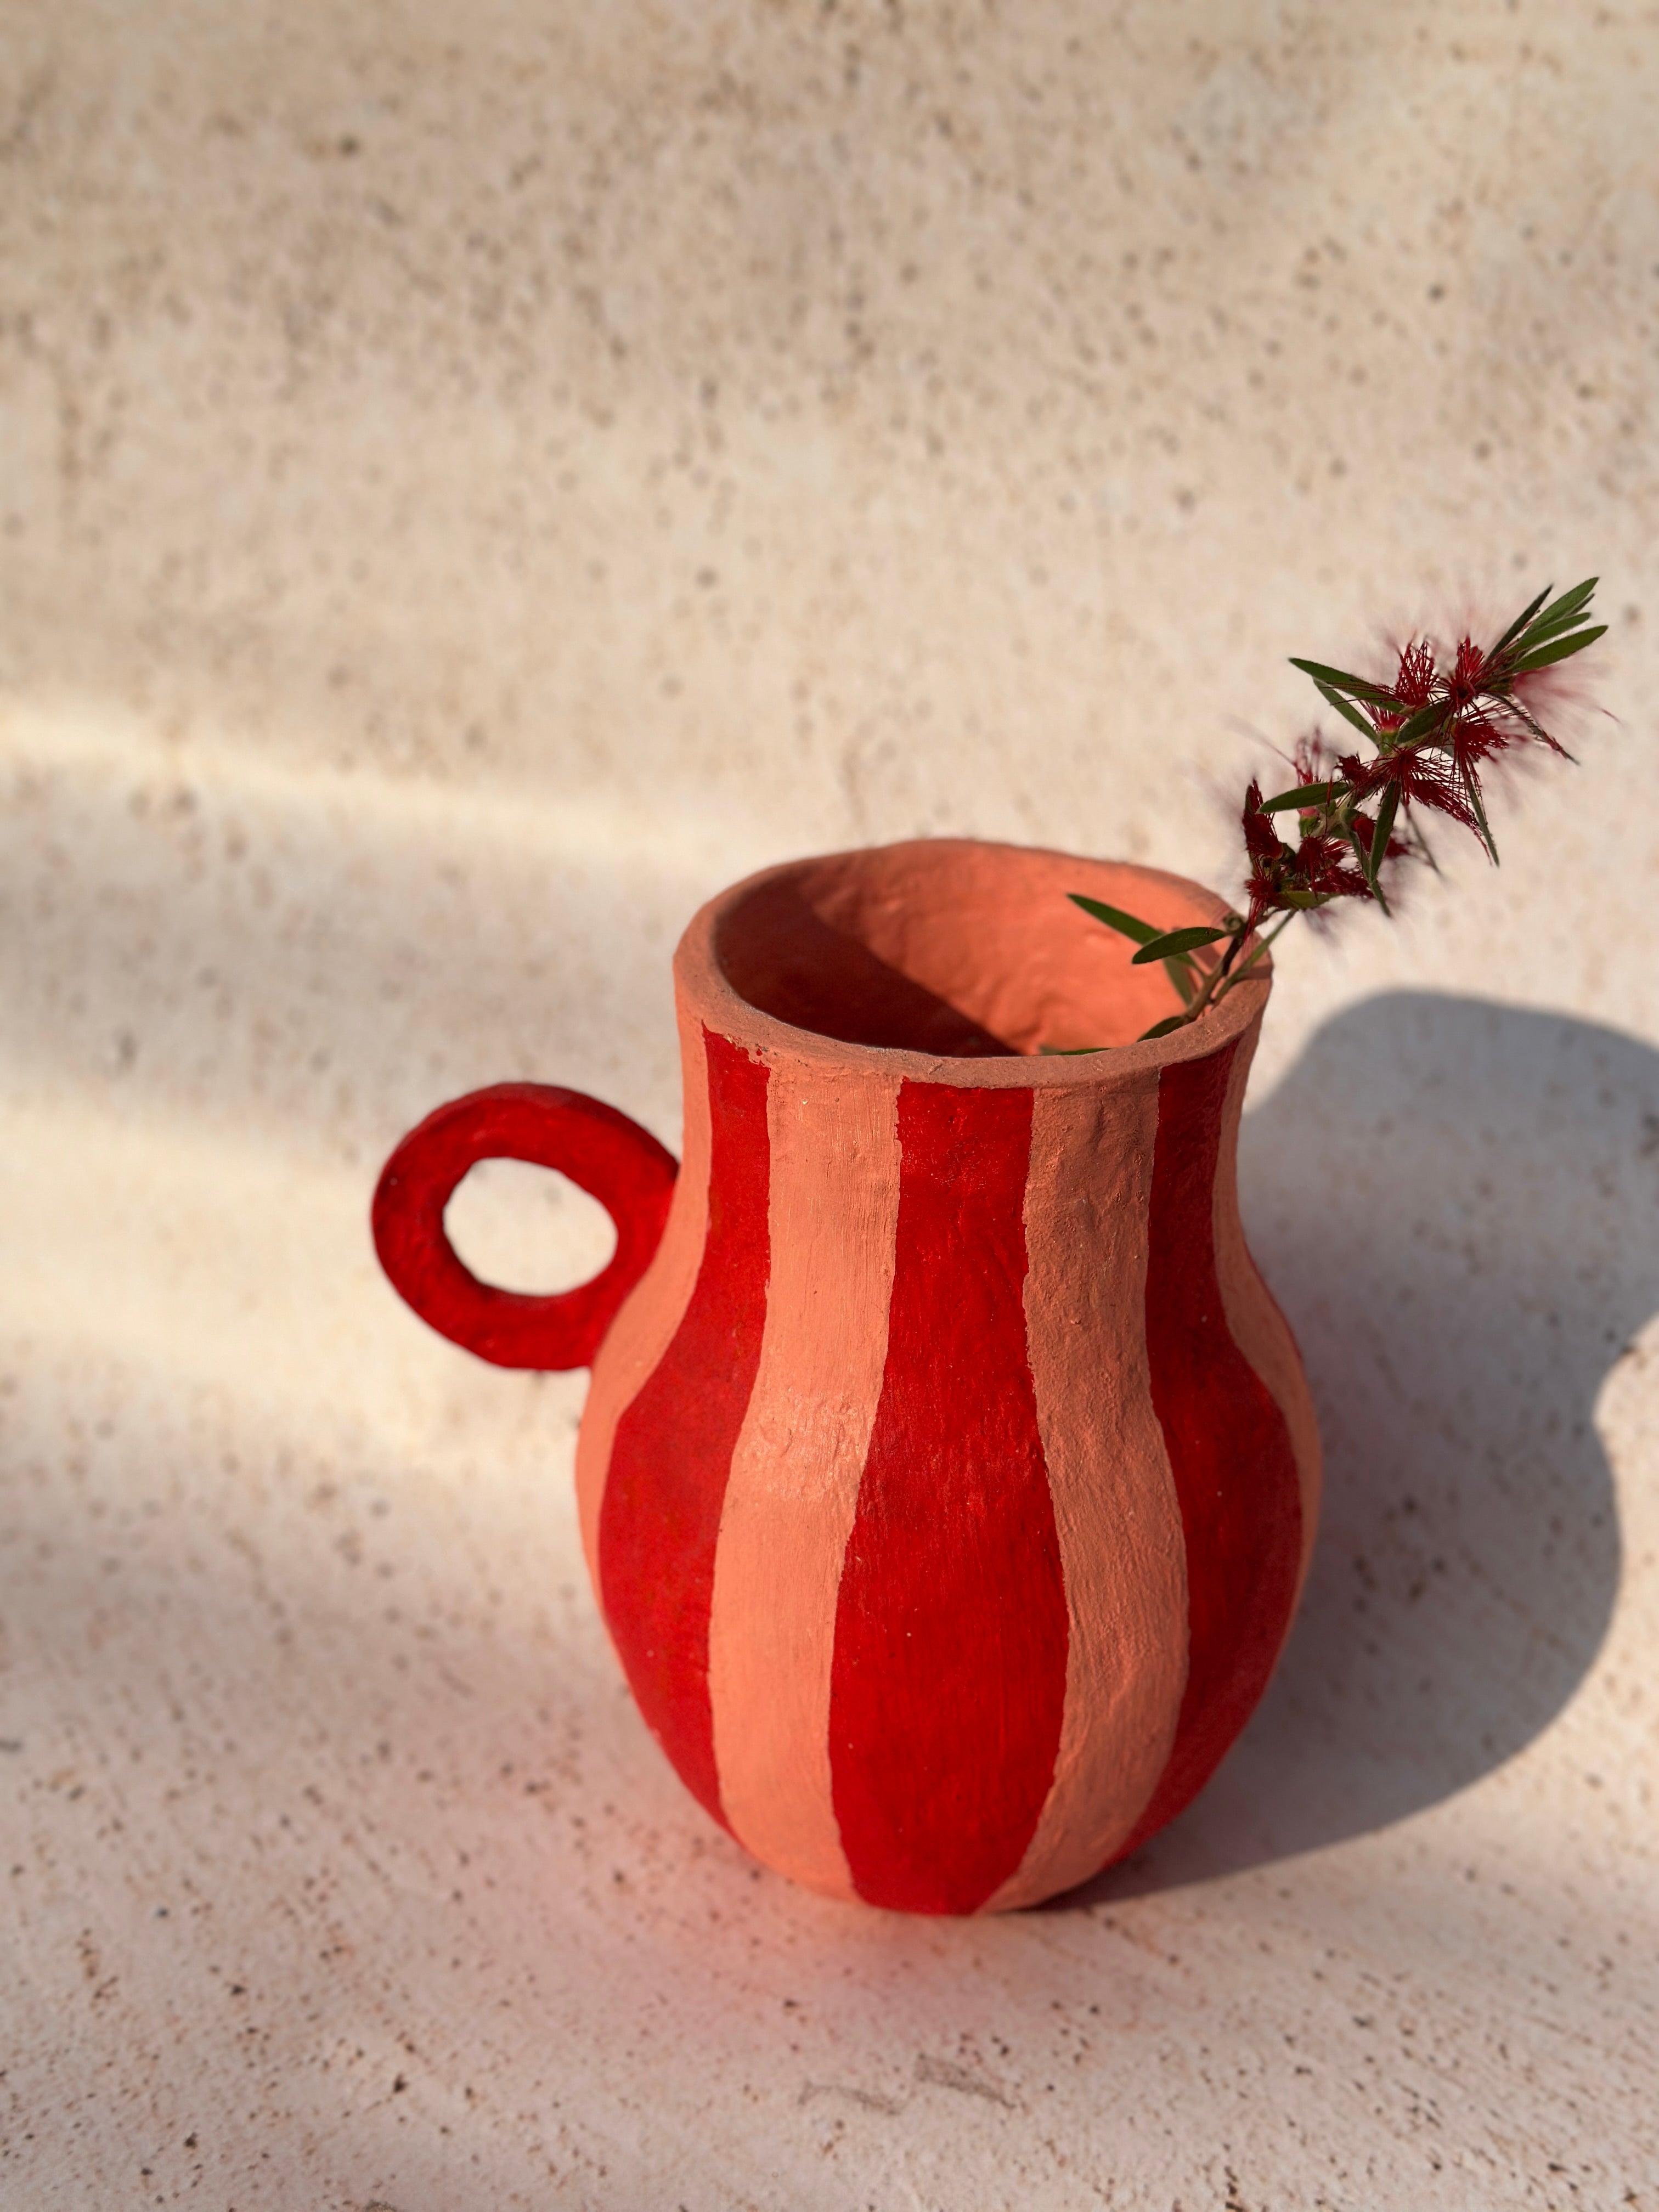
948,1473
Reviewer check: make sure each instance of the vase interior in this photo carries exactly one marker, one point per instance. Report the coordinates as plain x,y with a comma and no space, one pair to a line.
954,948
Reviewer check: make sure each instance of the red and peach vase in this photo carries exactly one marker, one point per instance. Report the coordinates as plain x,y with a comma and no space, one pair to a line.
948,1473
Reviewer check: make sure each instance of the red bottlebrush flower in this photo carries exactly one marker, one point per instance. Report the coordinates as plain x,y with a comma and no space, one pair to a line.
1365,830
1414,685
1312,761
1284,878
1421,780
1468,676
1431,733
1261,840
1474,737
1268,856
1312,758
1325,869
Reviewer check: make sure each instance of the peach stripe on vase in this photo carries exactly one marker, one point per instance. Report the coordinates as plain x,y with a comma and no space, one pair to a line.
793,1491
1254,1319
651,1314
1117,1513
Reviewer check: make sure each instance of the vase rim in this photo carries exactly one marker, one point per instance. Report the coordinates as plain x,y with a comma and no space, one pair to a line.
708,992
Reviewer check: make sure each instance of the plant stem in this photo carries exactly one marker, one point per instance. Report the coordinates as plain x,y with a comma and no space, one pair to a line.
1220,982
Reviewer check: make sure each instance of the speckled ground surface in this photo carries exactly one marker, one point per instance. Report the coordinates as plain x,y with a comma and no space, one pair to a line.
471,483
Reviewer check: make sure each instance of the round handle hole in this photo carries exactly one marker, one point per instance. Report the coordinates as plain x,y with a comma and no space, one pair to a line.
528,1229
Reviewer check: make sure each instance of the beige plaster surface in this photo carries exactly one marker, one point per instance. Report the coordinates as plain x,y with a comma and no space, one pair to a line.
472,483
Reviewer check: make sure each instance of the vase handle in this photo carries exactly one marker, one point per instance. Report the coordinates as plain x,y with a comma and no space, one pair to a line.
615,1160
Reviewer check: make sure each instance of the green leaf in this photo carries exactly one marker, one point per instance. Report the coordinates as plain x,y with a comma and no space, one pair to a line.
1340,680
1069,1051
1305,794
1176,942
1472,792
1423,724
1381,832
1114,918
1542,633
1562,613
1554,622
1143,933
1334,698
1563,648
1519,623
1162,1029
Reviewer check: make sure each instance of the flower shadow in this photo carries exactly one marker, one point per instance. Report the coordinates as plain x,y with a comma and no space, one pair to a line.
1455,1204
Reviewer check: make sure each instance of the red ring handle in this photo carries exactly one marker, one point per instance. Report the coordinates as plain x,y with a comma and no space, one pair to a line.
623,1166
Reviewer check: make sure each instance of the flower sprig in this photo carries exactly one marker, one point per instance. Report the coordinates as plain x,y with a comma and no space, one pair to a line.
1430,733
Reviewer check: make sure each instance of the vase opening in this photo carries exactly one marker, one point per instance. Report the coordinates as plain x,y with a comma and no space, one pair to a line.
953,947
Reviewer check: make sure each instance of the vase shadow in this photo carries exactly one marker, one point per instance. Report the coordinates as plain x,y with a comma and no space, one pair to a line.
1454,1202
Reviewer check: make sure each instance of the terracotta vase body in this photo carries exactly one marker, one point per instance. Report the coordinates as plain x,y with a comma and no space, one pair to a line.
948,1475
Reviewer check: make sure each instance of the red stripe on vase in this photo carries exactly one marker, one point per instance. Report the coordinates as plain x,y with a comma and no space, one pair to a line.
1231,1452
948,1682
660,1517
